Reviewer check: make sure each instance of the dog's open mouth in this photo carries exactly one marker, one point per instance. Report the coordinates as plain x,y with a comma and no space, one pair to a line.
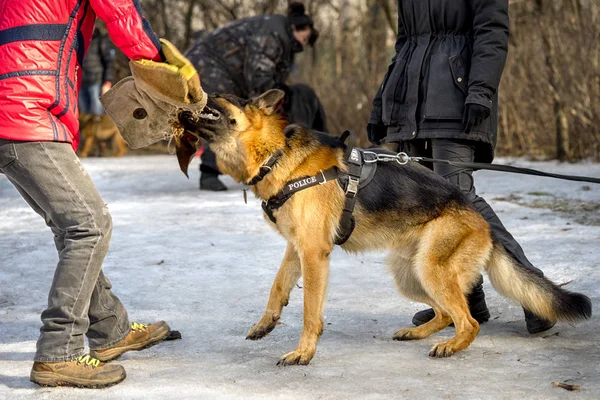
203,123
209,114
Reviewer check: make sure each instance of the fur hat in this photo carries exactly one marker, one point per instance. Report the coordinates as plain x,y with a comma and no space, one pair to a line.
297,15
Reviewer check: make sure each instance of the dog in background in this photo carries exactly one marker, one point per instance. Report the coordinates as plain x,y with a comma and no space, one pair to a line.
437,242
97,131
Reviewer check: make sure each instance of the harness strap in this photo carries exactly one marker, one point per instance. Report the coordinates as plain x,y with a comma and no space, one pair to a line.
350,183
266,168
294,186
345,135
355,164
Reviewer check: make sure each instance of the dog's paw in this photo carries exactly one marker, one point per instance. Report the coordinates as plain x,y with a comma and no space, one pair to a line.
258,332
262,328
444,349
407,334
295,358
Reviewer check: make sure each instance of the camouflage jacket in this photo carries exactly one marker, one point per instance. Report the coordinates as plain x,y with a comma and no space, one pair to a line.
246,57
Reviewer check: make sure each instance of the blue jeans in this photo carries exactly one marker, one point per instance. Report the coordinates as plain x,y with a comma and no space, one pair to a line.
89,100
49,176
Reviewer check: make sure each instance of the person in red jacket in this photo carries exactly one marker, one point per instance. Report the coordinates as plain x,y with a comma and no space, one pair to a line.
42,46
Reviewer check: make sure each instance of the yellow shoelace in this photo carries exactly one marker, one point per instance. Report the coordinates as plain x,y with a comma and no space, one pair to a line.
88,360
138,327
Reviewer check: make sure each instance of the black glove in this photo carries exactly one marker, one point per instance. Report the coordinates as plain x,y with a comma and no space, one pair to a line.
474,115
376,133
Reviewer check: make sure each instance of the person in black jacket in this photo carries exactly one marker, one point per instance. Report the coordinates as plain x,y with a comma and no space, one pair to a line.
97,73
439,99
250,56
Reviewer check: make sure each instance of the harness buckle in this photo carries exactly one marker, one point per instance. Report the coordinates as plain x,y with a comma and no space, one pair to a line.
323,176
352,185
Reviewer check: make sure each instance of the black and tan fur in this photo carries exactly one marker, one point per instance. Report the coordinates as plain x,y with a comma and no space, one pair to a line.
97,133
437,243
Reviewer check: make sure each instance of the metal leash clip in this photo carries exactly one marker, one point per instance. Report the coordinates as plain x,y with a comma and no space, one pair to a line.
400,158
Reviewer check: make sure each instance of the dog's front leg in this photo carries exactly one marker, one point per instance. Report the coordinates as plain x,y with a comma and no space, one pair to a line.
315,270
287,276
88,145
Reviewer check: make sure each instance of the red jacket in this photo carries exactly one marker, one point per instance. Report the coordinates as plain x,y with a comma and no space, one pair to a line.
42,45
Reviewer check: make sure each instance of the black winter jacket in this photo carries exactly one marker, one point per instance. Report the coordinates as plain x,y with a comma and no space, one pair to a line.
99,62
246,57
448,53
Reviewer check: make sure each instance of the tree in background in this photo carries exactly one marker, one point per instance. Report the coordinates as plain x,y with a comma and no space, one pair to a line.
550,91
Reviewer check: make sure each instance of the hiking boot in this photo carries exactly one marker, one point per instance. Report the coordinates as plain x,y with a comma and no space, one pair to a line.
210,181
83,372
477,307
141,337
537,324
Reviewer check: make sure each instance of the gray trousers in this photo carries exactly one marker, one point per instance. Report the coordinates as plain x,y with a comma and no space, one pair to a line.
50,177
464,151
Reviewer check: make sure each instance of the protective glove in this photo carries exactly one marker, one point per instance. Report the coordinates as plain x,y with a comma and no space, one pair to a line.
376,133
474,115
176,78
146,106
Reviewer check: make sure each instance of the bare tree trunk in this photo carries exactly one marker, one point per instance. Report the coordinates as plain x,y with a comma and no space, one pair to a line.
341,40
561,121
387,9
562,132
165,19
189,17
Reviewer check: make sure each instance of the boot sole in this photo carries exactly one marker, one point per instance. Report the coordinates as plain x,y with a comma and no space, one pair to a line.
50,379
119,351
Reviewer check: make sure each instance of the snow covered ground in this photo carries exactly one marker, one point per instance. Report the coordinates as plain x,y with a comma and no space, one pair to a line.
205,263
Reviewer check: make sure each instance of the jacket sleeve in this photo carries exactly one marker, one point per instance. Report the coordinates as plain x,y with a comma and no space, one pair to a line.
264,54
376,111
107,56
128,29
490,28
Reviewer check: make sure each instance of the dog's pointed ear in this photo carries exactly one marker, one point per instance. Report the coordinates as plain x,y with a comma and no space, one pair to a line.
269,100
292,130
185,150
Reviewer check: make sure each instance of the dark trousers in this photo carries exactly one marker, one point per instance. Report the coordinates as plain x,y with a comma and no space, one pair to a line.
464,151
302,106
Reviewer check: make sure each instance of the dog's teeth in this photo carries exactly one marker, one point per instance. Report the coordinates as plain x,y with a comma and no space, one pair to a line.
209,116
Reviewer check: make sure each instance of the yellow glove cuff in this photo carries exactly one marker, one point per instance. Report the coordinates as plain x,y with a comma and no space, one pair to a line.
175,78
174,61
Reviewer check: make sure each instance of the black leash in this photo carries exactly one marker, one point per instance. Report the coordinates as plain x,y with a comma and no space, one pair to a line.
508,168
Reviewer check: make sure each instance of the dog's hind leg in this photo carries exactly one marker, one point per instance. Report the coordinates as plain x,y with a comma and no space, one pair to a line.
452,251
286,278
408,283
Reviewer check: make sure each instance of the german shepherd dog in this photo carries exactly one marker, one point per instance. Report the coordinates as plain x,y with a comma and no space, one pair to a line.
97,131
437,242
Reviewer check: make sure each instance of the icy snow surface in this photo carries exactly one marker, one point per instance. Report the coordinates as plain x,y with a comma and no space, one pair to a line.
205,262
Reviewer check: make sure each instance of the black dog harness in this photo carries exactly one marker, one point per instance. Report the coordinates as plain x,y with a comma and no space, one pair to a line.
361,169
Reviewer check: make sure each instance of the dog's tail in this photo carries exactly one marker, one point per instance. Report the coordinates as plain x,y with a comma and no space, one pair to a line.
535,292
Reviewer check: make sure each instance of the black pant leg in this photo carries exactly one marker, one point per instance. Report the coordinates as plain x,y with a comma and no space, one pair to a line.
209,162
464,151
